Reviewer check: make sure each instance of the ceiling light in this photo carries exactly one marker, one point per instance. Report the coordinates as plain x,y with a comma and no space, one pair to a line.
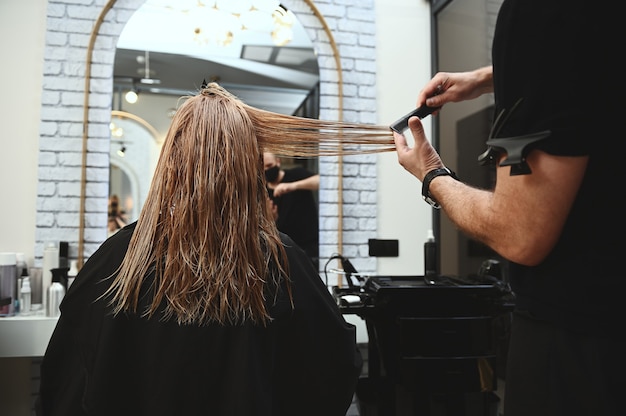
255,20
218,22
150,81
283,24
282,17
131,96
282,35
212,25
145,72
116,132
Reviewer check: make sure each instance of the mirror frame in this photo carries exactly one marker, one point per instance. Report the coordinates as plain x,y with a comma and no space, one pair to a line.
144,123
85,136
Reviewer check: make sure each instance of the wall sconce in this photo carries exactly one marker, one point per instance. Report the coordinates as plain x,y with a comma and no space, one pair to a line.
122,151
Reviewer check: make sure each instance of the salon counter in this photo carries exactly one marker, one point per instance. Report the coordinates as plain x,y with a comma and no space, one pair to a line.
23,342
25,336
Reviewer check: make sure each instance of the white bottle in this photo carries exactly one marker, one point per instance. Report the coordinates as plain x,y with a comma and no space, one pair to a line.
50,261
72,272
26,296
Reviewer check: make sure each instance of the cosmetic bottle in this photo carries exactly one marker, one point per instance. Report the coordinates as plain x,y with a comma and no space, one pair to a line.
8,289
36,297
56,292
25,300
50,261
71,274
20,266
430,255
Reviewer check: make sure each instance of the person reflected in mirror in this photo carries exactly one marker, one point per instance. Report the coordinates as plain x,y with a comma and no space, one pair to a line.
117,217
202,306
291,191
546,213
272,207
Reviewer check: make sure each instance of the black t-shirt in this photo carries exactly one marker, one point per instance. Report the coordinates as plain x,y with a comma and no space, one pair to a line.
553,56
297,213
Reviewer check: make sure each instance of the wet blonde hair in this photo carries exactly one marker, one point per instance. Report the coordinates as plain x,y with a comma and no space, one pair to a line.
205,230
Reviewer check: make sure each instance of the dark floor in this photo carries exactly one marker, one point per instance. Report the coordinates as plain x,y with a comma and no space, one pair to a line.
353,410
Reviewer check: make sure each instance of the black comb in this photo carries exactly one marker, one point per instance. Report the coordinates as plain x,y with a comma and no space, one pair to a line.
402,124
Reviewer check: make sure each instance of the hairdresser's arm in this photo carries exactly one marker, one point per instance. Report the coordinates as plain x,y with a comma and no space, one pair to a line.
312,183
447,87
521,218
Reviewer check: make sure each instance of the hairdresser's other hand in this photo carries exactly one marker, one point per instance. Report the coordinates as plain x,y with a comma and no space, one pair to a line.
284,188
312,183
422,157
447,87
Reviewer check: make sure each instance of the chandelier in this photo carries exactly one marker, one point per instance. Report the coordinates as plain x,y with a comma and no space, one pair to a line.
218,22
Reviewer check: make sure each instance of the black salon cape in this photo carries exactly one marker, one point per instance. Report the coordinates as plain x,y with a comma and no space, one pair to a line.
304,363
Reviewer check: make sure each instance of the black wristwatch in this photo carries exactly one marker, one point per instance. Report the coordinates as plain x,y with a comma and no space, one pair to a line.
426,184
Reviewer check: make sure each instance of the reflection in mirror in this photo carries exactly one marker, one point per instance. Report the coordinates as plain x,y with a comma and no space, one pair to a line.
159,53
165,52
135,147
462,42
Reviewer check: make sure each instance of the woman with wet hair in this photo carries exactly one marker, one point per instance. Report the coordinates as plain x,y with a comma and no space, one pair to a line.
202,307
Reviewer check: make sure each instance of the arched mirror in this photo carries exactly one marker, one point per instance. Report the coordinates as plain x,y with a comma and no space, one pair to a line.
257,49
135,147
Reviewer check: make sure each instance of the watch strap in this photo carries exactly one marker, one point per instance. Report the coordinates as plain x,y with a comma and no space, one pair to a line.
426,184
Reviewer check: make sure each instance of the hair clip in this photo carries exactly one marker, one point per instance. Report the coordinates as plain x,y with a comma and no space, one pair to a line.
516,148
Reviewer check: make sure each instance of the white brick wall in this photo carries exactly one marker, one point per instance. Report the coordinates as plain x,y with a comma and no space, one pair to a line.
69,26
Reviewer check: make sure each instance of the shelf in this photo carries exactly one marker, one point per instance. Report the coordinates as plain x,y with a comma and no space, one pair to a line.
25,335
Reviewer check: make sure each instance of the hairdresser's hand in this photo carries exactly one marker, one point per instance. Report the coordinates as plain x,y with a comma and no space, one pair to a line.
422,157
312,183
447,87
284,188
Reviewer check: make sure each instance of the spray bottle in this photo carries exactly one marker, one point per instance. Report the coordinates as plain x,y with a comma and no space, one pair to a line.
25,300
56,292
430,255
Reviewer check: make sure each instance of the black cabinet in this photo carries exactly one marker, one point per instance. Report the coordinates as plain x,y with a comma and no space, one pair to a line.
432,347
